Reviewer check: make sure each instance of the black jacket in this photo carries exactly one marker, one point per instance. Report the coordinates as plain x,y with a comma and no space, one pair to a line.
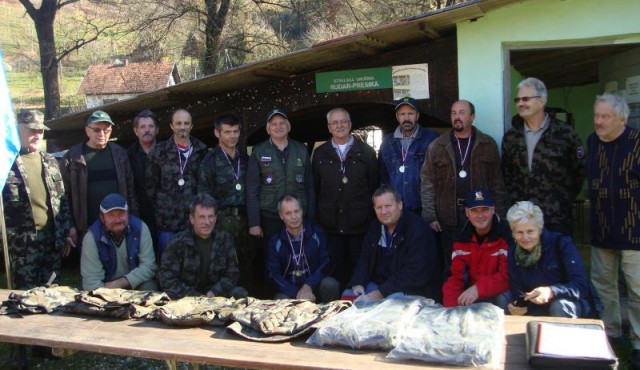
345,208
414,264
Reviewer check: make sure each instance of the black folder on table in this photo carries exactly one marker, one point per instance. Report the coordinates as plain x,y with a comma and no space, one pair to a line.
564,345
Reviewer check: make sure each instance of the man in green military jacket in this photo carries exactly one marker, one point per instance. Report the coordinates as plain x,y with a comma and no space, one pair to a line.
36,208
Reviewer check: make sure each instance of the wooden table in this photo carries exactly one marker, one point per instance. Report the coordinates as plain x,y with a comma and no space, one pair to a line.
213,345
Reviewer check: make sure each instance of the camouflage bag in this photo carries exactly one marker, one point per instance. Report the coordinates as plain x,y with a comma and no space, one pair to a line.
197,311
39,300
281,320
137,297
116,303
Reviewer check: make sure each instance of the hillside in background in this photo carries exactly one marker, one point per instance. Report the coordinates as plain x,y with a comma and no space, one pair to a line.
174,30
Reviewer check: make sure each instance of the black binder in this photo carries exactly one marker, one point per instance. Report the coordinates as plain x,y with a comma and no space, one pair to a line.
537,358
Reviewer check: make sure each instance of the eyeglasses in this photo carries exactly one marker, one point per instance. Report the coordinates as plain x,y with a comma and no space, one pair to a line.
98,130
343,122
525,99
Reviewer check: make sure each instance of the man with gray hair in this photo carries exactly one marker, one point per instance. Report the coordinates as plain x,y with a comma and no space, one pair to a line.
542,158
346,174
613,168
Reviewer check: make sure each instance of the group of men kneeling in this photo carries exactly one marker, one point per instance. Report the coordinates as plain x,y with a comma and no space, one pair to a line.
537,271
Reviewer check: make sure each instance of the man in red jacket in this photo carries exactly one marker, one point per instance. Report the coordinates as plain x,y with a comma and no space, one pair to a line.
479,258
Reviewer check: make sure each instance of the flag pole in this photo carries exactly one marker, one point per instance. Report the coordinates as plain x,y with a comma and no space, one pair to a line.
5,245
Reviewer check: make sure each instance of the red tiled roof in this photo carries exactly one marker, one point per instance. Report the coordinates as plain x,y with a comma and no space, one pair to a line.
127,78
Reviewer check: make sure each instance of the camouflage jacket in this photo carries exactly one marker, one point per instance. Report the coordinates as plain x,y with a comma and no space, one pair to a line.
181,263
217,177
171,201
557,171
17,207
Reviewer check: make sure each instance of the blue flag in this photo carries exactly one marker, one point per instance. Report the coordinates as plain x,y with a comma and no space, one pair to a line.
9,138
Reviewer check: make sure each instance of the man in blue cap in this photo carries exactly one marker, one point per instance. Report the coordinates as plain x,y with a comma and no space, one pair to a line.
117,251
479,258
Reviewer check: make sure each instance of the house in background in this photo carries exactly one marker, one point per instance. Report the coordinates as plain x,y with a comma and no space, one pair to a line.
108,83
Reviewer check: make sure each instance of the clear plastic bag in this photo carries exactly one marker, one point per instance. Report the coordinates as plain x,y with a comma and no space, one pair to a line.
463,336
370,325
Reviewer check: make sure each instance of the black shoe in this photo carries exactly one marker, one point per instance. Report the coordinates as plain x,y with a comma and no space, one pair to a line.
635,358
18,357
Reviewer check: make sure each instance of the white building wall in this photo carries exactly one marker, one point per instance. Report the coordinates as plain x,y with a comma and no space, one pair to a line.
481,44
98,100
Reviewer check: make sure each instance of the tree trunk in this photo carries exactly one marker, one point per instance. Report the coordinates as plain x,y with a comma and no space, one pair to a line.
43,20
216,18
49,67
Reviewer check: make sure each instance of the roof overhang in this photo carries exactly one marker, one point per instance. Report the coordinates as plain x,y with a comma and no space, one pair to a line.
322,56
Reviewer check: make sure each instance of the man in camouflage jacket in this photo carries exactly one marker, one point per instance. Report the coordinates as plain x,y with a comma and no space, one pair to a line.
172,177
222,175
199,261
36,208
543,159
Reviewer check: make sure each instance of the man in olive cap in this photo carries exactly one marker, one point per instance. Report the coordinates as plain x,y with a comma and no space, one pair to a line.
36,212
36,208
92,170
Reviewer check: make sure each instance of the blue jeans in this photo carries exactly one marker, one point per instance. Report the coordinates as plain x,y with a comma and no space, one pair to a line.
371,286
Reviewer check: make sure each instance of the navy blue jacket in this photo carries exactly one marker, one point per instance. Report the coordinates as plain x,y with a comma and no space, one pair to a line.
559,267
107,251
414,262
281,267
406,183
613,178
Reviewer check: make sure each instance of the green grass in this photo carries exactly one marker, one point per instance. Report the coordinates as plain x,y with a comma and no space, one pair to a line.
27,92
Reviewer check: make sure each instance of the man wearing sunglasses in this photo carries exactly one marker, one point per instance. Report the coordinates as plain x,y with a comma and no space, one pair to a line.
94,169
543,160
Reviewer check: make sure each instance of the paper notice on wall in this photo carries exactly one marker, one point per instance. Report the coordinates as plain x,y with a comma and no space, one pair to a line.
633,89
410,80
611,87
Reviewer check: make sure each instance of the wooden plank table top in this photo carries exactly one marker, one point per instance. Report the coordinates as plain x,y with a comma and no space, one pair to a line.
215,346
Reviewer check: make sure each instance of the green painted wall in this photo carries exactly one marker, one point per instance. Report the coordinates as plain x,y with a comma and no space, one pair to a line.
535,24
579,101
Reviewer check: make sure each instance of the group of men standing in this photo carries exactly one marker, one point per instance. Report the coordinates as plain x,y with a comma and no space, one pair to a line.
217,220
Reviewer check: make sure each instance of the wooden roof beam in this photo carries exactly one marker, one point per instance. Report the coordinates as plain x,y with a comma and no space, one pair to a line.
430,32
359,48
273,72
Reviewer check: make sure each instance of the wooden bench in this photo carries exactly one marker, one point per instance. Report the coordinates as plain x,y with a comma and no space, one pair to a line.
215,346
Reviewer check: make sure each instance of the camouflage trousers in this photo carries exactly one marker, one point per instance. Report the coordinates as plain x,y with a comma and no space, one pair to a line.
34,260
236,224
